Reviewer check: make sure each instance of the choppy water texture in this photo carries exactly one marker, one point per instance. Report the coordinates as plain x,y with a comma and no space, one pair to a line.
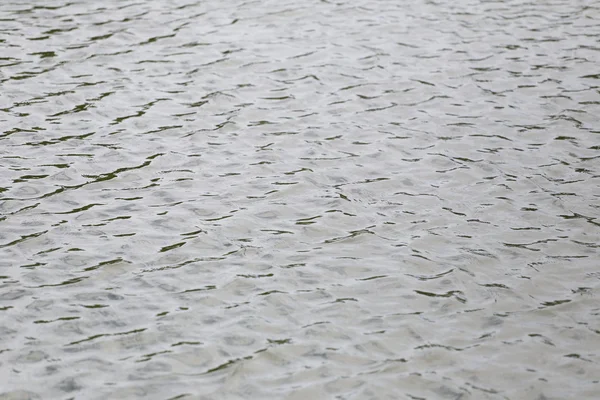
299,199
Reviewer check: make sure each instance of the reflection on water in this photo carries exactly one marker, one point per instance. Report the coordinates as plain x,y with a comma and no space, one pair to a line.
285,199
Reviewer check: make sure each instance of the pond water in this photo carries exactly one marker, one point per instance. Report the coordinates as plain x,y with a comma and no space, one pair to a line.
299,199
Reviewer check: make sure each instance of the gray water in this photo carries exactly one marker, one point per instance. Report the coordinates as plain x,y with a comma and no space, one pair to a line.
299,199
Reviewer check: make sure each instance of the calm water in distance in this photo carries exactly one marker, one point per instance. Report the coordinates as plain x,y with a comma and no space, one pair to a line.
298,200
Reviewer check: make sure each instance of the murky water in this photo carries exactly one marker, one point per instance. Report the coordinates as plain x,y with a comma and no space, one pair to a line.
299,199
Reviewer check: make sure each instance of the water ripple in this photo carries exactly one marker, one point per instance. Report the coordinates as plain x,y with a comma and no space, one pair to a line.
248,199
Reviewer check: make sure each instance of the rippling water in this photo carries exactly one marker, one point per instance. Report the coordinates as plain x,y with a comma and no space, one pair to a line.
299,199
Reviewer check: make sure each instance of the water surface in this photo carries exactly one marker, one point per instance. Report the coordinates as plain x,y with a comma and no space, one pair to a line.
299,199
